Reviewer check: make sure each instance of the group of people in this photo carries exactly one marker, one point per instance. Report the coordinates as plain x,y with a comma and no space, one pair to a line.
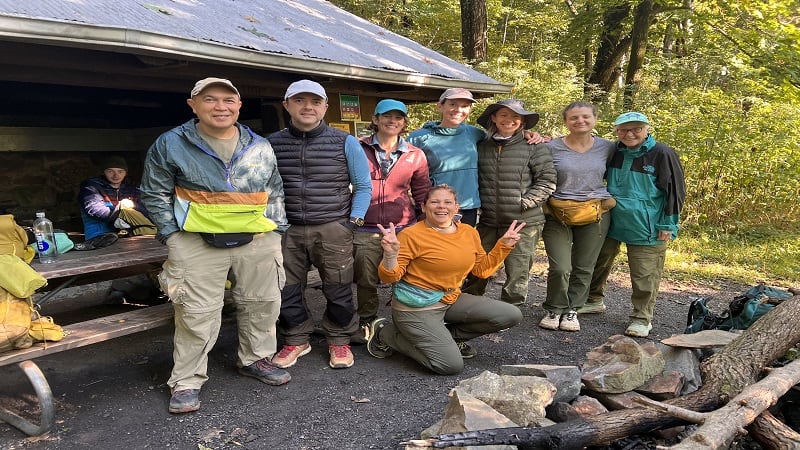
434,215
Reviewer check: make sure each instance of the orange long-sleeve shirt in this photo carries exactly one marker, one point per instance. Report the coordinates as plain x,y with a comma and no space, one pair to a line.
433,260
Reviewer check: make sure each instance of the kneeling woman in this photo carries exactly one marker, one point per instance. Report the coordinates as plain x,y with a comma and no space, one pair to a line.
431,318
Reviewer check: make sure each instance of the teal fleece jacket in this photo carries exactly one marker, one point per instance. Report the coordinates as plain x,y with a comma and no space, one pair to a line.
452,155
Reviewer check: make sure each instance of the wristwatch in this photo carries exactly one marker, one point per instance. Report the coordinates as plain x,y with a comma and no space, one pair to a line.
357,221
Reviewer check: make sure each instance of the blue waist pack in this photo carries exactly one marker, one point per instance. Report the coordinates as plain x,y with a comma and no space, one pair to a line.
415,296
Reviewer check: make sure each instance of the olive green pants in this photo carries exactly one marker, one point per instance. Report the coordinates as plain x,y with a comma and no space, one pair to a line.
571,255
517,264
429,336
646,264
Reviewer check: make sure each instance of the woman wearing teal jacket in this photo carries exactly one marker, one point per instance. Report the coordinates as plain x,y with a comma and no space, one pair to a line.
646,178
450,145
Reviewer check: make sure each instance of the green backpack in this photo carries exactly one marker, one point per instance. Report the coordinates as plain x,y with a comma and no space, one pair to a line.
742,312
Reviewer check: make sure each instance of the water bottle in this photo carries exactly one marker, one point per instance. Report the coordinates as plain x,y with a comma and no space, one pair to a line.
45,239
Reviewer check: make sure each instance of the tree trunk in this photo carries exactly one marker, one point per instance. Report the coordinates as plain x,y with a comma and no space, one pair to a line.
643,16
613,44
725,375
773,434
474,37
722,426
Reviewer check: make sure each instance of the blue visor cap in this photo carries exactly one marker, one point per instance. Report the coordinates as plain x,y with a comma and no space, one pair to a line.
631,117
388,104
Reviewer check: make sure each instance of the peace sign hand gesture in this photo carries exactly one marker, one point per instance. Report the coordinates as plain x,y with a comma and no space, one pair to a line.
512,236
389,242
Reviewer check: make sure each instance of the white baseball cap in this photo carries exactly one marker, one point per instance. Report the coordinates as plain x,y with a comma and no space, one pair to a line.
305,86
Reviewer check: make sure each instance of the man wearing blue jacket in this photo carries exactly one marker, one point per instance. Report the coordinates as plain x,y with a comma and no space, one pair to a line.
646,178
213,190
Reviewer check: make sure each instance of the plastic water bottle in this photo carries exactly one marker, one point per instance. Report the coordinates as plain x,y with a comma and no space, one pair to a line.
45,239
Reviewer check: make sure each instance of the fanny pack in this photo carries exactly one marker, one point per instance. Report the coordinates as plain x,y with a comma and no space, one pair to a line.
577,213
415,296
227,240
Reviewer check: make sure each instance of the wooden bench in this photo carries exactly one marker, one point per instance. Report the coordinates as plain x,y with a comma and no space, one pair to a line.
125,257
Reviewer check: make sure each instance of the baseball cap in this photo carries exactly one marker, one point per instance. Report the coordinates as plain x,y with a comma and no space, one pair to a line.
631,116
456,93
530,118
206,82
305,86
388,104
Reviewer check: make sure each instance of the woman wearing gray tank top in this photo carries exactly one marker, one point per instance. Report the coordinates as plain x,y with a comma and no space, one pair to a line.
580,161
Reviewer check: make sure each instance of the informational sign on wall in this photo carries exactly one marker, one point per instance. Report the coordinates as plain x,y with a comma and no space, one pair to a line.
350,107
361,129
342,126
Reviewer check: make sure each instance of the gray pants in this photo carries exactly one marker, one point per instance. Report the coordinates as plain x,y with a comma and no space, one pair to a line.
429,336
571,256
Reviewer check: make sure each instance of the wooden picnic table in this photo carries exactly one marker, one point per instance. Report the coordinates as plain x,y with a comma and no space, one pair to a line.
125,257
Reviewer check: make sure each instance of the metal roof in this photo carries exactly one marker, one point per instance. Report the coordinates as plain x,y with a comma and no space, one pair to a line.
302,36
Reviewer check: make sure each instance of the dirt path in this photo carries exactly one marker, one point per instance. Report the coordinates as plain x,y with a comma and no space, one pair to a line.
113,395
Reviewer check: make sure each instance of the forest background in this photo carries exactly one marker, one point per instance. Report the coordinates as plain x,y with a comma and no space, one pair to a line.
719,80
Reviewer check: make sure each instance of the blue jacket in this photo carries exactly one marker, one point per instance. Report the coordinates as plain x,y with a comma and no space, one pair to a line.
649,186
98,202
452,155
186,186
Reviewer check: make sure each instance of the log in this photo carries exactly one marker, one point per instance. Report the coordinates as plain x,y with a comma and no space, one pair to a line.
773,434
725,374
722,426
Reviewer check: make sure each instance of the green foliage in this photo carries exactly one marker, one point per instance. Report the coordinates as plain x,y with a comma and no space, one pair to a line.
721,84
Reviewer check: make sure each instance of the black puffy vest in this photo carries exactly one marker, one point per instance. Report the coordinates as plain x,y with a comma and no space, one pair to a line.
313,166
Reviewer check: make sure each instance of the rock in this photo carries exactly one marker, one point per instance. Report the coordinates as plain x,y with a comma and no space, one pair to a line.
621,365
685,361
520,398
701,339
566,379
583,406
664,386
467,413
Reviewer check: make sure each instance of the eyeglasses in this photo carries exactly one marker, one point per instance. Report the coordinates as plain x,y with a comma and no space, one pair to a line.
634,130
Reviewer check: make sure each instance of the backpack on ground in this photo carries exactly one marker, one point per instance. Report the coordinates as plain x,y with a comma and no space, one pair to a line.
742,312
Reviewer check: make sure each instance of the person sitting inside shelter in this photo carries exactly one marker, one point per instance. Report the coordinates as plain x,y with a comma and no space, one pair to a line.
109,203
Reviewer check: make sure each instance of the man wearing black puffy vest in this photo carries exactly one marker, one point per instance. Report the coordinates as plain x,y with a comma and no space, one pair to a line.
328,189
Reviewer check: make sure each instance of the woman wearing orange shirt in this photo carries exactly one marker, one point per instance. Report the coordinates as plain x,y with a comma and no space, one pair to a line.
429,261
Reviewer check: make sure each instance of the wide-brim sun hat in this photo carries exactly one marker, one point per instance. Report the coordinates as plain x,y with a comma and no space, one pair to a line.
631,116
530,118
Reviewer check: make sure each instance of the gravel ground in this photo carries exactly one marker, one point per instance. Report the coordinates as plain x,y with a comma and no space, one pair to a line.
113,394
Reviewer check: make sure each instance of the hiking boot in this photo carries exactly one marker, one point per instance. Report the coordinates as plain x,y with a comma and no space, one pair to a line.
341,356
550,321
569,322
267,372
184,400
467,351
288,355
592,308
375,347
638,329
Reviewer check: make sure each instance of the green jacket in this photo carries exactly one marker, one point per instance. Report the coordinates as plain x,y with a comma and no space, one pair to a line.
649,187
514,179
